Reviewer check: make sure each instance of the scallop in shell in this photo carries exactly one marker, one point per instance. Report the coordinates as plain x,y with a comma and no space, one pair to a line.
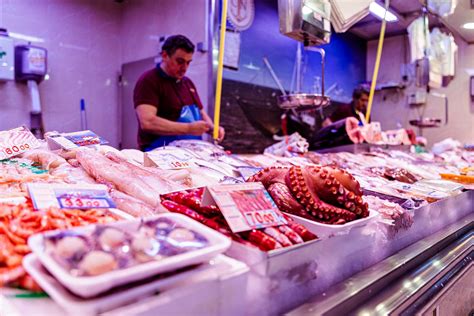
97,262
161,227
71,247
145,248
186,239
181,235
112,239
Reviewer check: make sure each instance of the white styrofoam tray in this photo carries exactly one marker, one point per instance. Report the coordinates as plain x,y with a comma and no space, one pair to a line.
221,267
326,230
88,286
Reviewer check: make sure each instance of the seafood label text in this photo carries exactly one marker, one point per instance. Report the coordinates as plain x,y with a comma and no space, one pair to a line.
69,196
245,206
16,141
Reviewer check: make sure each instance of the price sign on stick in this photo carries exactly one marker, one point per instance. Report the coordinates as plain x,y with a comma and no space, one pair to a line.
169,159
16,141
71,196
73,140
245,206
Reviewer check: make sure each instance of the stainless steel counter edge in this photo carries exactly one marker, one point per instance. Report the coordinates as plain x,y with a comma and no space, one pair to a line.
344,297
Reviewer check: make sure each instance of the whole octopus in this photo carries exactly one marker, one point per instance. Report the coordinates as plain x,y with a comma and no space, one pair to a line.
324,194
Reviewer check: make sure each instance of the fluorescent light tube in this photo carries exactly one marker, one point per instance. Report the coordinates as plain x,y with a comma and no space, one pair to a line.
27,38
379,11
469,26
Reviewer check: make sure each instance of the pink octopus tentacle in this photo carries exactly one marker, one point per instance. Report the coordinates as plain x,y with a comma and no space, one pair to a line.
285,202
321,210
331,191
269,175
346,179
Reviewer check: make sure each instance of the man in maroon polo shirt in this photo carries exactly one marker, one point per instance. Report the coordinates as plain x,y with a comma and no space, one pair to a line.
166,102
358,106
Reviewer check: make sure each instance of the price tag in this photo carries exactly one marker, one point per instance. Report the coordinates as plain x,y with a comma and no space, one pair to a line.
45,195
16,141
418,190
73,140
168,159
245,206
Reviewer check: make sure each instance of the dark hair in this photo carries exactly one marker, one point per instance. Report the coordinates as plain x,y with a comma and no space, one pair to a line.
176,42
358,92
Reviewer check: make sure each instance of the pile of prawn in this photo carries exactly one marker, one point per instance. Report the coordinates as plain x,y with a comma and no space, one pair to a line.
18,222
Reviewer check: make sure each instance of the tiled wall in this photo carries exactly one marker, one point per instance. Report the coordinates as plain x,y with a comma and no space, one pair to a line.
87,42
391,107
83,42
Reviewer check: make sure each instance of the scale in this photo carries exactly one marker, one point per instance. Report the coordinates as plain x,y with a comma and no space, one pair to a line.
422,74
306,21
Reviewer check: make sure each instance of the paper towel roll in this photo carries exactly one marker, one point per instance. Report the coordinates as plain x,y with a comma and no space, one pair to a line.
35,97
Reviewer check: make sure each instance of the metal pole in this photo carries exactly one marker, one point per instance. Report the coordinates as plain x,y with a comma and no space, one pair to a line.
298,68
220,70
274,76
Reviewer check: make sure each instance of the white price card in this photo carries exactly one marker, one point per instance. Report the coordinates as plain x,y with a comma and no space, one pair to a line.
169,158
418,190
73,140
69,196
16,141
245,206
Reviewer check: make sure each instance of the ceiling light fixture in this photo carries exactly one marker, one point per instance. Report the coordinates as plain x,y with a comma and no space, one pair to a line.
379,11
468,26
27,38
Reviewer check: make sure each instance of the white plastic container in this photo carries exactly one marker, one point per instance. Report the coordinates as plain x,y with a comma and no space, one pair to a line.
219,277
325,230
89,286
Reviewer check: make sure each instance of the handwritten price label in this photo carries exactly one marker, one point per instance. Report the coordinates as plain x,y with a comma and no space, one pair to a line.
245,206
169,159
179,164
73,140
261,218
45,195
83,203
16,149
16,141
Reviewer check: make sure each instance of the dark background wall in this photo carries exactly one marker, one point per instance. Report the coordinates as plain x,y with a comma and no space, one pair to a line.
249,112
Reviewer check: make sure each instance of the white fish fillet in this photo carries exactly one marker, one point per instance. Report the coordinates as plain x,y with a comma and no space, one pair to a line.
148,175
127,180
131,205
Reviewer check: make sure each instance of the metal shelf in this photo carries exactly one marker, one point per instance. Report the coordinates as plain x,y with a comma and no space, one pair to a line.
401,284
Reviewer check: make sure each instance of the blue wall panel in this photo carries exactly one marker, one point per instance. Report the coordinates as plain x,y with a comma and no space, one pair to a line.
345,56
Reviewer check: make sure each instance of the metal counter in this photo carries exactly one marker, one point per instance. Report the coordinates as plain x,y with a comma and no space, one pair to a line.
350,269
362,148
414,279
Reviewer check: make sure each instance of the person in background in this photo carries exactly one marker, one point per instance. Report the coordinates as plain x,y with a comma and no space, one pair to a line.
342,126
167,104
358,107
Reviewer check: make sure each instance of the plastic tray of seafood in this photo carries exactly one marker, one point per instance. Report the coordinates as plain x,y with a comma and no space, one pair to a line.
252,247
141,291
93,259
328,230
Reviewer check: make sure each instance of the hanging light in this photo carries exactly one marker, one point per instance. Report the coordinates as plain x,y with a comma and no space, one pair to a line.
379,11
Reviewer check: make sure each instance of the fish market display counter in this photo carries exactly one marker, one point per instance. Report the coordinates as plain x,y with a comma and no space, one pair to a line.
192,229
386,255
352,271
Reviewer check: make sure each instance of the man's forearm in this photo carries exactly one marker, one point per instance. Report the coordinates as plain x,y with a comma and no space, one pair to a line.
161,126
206,118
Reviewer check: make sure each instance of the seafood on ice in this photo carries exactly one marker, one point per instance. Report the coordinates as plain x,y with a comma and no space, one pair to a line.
20,221
109,247
189,203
